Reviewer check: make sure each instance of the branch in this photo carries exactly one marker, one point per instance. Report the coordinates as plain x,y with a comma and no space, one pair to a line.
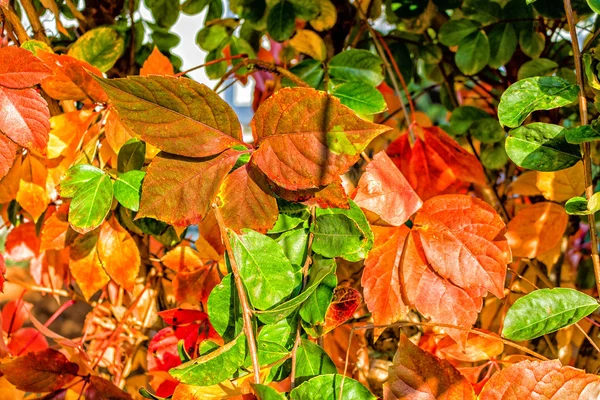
246,311
263,65
39,32
585,147
15,23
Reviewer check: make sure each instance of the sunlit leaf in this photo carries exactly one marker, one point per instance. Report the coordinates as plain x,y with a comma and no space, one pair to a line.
561,185
312,361
100,47
357,66
362,99
85,265
128,187
329,387
119,254
156,64
308,42
20,69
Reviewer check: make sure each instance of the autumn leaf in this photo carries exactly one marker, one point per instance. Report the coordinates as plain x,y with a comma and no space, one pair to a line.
67,131
177,115
100,389
561,185
435,164
383,190
8,153
33,198
39,372
542,379
119,254
330,196
416,374
306,139
477,348
14,315
182,258
55,230
536,229
343,305
85,265
2,273
20,69
22,243
156,64
194,286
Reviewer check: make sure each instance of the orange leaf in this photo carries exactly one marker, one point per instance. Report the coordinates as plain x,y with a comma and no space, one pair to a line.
536,229
182,258
9,184
14,314
561,185
67,130
20,69
416,374
156,64
477,348
332,195
22,243
119,254
8,153
383,190
116,132
194,286
543,380
33,198
54,230
343,305
85,265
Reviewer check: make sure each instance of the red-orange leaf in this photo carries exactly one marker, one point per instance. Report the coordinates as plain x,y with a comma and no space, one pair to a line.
330,196
101,389
180,190
182,258
541,380
14,314
306,139
477,348
26,340
25,118
20,69
343,305
247,202
156,64
22,243
119,254
2,272
39,372
418,375
85,265
383,190
55,229
8,153
435,164
194,286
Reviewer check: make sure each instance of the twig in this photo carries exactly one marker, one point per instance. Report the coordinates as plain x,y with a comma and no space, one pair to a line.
15,23
585,147
260,64
39,32
246,311
206,64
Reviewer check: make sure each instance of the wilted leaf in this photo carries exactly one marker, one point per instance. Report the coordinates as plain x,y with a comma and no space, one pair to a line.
343,305
119,254
156,64
101,389
101,47
327,16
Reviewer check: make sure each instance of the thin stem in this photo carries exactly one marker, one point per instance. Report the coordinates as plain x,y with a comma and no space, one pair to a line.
585,147
39,32
263,65
206,64
15,23
246,311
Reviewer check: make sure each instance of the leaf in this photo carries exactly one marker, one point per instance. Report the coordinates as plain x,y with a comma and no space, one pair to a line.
177,115
336,235
582,134
345,302
311,361
329,387
327,17
25,118
100,389
537,67
541,147
473,53
533,378
157,64
487,130
33,198
85,265
365,100
532,43
100,47
477,348
265,271
306,138
176,191
503,43
119,254
532,94
165,12
20,69
454,31
314,310
91,203
577,206
464,117
417,374
536,229
561,185
22,243
281,21
224,310
127,188
131,155
544,311
294,245
308,42
383,190
247,201
195,286
214,367
357,66
38,372
8,153
264,392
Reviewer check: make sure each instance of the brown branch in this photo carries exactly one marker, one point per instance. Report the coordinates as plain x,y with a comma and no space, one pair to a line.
246,311
262,65
585,147
15,23
39,32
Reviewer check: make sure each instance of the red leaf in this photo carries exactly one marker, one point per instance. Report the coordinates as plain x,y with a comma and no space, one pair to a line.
541,380
330,196
71,81
156,64
100,389
25,118
85,265
343,305
8,153
2,272
26,340
38,372
306,139
247,202
162,351
435,164
20,69
119,254
182,316
176,189
14,314
22,243
383,190
416,374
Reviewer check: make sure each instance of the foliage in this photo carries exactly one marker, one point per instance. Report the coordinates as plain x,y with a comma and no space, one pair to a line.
414,200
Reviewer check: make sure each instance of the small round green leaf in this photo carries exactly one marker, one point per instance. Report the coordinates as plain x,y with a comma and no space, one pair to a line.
361,98
473,53
101,47
503,43
281,22
454,31
357,65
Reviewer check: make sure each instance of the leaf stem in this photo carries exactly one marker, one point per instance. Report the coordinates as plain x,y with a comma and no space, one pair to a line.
267,66
585,147
246,311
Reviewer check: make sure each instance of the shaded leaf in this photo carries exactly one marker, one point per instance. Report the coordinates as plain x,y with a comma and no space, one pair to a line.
224,309
357,66
464,117
281,21
561,185
101,389
308,42
131,155
503,43
537,67
100,47
454,31
477,348
473,53
582,134
312,361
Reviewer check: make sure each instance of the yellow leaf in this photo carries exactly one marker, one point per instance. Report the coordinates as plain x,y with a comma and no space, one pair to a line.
85,265
525,185
561,185
116,132
9,185
309,43
66,131
33,198
327,17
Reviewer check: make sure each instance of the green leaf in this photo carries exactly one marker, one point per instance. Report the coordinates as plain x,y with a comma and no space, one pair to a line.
537,67
128,189
327,387
402,56
214,367
165,12
131,155
357,65
463,117
91,203
224,310
483,11
313,311
310,71
319,270
306,9
577,206
294,245
215,11
362,99
532,43
274,342
336,235
408,8
217,70
503,43
473,53
101,47
311,361
544,311
494,156
264,392
265,270
582,134
281,22
594,5
541,147
454,31
487,130
193,7
211,37
531,94
77,177
290,216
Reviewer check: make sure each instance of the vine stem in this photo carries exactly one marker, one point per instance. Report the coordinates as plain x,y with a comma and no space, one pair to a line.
585,147
246,311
